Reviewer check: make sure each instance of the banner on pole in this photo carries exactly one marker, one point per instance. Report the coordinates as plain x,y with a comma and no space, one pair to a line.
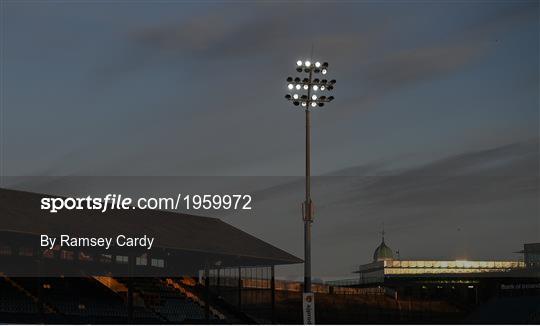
308,307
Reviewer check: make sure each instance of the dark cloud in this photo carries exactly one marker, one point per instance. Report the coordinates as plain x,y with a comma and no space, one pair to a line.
468,177
225,35
447,55
421,64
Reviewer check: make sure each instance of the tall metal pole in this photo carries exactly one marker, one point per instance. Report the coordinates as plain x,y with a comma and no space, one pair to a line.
207,292
308,219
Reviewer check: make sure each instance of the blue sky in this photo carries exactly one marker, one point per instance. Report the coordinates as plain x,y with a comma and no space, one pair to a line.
173,87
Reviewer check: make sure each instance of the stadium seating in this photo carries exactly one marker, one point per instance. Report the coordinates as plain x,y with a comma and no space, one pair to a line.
14,301
166,301
76,300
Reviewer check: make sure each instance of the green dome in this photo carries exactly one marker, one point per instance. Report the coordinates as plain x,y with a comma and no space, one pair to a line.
383,252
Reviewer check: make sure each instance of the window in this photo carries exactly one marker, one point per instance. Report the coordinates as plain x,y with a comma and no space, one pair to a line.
122,259
84,257
66,255
25,251
47,253
141,261
5,251
158,262
105,258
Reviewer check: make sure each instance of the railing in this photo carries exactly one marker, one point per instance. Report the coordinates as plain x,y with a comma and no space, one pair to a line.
362,280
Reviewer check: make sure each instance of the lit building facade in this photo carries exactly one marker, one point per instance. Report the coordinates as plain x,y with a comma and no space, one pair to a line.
463,284
377,271
387,268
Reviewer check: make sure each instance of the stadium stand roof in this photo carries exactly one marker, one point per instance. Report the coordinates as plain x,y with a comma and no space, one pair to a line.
20,212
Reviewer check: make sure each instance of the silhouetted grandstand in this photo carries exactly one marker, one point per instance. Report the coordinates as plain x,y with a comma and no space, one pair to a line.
119,285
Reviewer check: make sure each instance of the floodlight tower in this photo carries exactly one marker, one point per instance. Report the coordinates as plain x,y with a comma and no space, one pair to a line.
307,93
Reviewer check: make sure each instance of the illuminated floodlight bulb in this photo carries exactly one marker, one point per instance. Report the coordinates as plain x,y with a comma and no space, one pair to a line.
290,86
322,88
324,71
314,97
313,104
315,87
295,96
298,86
304,103
308,63
299,62
317,64
306,86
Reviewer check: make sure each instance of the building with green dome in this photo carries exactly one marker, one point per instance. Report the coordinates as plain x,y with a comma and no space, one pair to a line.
383,252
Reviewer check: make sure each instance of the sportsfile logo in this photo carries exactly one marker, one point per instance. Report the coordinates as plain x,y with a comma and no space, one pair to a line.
118,201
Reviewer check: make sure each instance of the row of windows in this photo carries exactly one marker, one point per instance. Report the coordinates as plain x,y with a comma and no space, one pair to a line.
403,271
70,255
6,251
453,264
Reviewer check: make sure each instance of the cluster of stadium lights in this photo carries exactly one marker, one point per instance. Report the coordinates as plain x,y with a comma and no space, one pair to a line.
296,85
